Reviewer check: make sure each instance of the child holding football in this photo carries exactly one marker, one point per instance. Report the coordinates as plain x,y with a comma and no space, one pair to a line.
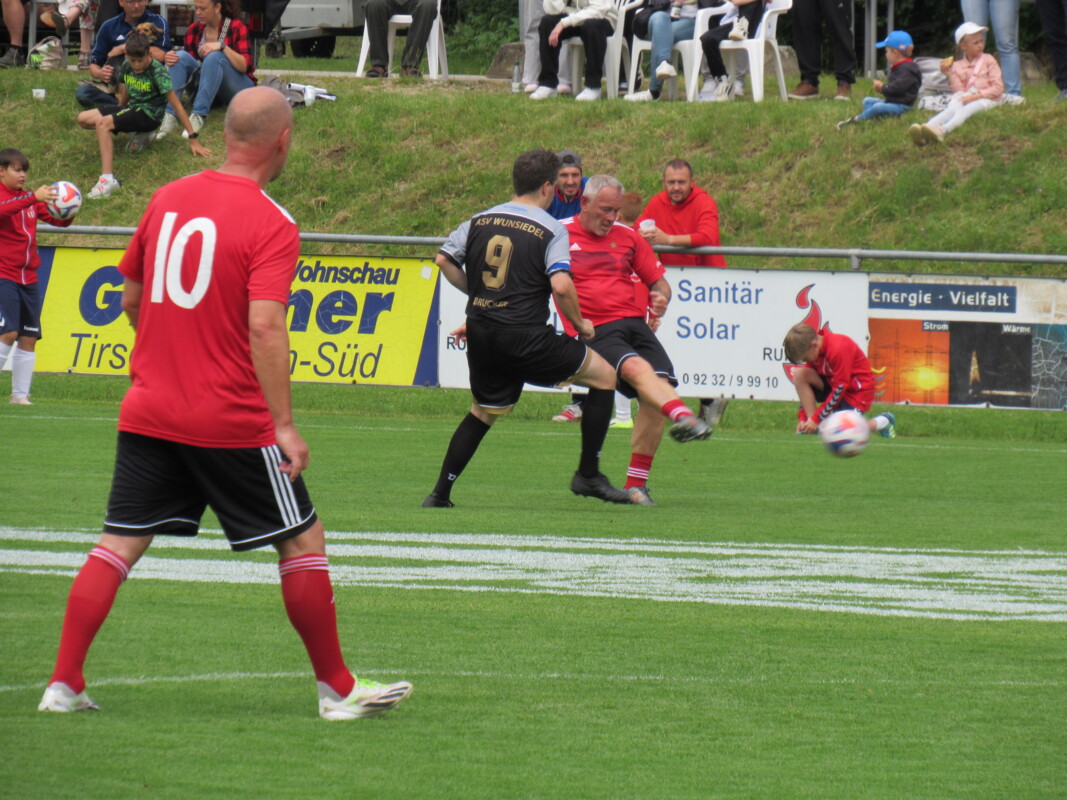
835,374
143,93
20,302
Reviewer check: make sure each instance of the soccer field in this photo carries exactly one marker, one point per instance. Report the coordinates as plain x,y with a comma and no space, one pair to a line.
782,625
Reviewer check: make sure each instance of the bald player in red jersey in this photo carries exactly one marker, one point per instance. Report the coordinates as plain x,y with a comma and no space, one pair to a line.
835,375
604,256
208,418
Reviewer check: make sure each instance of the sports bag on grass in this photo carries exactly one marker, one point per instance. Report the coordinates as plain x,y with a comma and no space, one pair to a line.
49,53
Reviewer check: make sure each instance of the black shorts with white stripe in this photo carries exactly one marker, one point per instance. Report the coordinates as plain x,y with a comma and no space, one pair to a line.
163,487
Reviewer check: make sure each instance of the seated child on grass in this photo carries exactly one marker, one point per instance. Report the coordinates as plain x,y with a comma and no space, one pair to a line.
901,90
143,92
976,83
835,375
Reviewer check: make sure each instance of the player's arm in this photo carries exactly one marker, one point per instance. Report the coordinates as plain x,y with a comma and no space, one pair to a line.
122,94
132,292
566,297
452,272
269,340
659,295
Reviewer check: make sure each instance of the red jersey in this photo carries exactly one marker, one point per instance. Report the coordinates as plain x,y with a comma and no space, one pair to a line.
604,269
845,369
207,245
19,213
697,217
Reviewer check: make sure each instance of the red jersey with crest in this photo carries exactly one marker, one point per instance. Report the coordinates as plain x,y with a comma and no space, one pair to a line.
207,246
846,372
604,270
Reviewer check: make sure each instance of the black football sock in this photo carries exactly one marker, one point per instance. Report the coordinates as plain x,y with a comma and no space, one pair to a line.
461,449
597,410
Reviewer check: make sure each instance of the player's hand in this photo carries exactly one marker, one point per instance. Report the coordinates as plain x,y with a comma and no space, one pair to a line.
295,450
107,73
460,333
197,148
878,86
808,426
170,58
585,329
46,193
657,304
654,323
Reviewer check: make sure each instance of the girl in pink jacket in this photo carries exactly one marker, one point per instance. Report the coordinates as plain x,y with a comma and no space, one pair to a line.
975,80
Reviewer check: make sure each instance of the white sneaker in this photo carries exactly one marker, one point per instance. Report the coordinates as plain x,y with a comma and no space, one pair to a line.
366,699
20,400
639,97
739,88
197,122
571,412
542,93
564,88
104,187
739,32
666,70
588,95
530,88
60,697
724,90
1014,99
170,122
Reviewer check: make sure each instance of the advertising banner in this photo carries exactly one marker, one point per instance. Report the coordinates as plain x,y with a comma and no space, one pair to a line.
963,340
351,320
723,329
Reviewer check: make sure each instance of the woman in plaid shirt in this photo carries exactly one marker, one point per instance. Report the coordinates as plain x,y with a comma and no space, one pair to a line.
217,44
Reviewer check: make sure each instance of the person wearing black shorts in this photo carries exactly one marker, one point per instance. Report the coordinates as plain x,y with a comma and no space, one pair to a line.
621,285
509,260
212,425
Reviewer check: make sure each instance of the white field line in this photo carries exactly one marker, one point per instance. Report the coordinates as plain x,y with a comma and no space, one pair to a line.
384,673
934,584
572,432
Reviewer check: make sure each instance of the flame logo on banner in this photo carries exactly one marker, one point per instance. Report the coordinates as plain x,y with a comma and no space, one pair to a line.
813,318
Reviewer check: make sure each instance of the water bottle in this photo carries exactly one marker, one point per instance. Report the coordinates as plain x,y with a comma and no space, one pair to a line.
516,78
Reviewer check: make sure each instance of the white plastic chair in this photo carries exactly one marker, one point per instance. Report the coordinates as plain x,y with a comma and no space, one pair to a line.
436,55
613,58
690,51
756,47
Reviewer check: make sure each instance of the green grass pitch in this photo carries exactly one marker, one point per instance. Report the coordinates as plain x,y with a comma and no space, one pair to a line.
782,625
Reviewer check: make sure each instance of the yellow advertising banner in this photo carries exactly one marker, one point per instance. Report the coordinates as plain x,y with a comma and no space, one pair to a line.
351,320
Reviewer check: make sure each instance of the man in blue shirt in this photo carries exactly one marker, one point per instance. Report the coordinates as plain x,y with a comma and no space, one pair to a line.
110,50
567,201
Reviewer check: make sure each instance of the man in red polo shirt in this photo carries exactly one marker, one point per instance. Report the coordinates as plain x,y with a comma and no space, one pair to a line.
684,216
606,259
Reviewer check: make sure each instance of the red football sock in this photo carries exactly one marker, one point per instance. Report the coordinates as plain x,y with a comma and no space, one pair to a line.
637,473
91,597
675,410
308,597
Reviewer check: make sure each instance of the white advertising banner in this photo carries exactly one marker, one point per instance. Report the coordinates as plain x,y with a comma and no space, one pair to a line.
723,329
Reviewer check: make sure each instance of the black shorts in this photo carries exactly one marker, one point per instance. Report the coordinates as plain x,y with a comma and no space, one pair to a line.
625,338
20,308
501,360
130,120
164,487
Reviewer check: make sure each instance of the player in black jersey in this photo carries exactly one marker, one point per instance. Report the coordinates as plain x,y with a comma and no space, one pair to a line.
509,260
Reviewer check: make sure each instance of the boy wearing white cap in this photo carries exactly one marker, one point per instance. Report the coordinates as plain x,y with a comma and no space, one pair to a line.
901,90
975,80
